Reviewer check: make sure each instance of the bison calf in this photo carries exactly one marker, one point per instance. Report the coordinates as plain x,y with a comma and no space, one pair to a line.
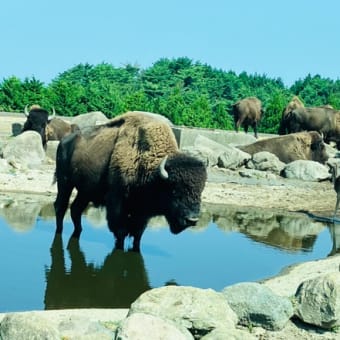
132,166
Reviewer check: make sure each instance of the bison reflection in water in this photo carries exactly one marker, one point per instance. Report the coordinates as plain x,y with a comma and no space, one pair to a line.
115,284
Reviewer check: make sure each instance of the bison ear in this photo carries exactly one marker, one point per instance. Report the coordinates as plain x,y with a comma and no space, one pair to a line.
164,174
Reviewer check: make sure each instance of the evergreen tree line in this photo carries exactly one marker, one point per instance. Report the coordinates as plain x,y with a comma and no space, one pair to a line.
188,93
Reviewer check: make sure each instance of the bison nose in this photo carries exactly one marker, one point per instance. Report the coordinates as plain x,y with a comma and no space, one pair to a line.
191,221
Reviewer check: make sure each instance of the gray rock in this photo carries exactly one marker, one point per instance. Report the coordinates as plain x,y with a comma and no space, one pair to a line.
257,305
232,158
25,150
266,161
213,153
51,149
318,301
27,326
87,120
146,326
306,171
228,333
198,310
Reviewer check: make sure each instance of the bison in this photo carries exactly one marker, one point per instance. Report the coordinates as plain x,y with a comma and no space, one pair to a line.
322,119
247,112
49,127
58,128
133,167
292,105
37,119
288,148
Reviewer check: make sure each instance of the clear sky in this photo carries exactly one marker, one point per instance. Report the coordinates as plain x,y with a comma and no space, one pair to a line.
287,39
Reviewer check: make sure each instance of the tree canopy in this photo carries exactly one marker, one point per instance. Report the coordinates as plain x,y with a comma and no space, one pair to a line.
188,93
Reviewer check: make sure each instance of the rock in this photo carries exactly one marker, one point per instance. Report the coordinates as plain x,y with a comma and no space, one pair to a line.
146,326
318,301
306,171
257,305
213,153
51,149
287,283
25,150
232,158
228,333
4,166
27,326
198,310
266,161
89,119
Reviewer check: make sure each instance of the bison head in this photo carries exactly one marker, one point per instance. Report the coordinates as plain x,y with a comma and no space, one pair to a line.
37,120
318,148
183,180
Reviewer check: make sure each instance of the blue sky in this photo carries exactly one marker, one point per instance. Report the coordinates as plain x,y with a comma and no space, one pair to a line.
287,39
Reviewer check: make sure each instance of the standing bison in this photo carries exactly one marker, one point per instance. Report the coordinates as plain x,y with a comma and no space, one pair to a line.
37,120
322,119
292,105
247,112
132,166
58,128
48,127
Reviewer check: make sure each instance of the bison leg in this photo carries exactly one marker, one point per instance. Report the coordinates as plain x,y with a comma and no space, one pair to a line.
136,229
77,208
61,205
237,125
116,218
255,129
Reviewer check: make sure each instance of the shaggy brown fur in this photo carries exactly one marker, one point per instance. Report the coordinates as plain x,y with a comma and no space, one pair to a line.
57,128
247,112
288,148
292,105
118,165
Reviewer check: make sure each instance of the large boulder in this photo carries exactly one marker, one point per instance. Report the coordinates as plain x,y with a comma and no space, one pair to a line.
146,326
257,305
318,301
306,171
198,310
266,161
27,326
25,150
87,120
213,153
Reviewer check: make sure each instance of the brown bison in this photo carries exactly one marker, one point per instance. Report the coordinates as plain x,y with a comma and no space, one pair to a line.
49,127
322,119
292,105
247,112
58,128
132,166
288,148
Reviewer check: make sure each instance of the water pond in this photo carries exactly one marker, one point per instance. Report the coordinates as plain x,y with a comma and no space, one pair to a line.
40,271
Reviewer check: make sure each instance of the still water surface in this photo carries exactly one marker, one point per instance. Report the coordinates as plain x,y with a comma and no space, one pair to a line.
40,271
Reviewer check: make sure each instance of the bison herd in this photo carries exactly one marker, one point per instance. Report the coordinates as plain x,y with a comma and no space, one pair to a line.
132,164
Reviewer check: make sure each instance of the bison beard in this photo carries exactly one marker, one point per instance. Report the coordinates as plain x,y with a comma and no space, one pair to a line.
119,165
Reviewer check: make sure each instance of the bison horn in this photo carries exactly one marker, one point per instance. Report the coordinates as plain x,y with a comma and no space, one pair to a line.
163,172
26,113
53,114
